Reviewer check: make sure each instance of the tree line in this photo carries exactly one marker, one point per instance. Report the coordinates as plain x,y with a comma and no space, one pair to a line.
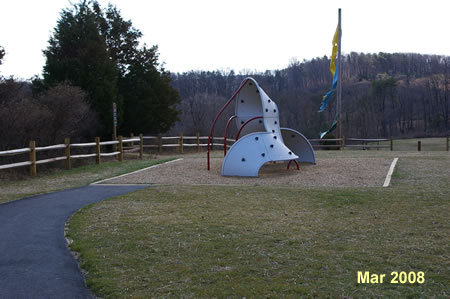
383,95
94,58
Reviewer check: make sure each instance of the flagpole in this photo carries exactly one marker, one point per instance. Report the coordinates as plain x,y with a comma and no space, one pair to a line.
339,87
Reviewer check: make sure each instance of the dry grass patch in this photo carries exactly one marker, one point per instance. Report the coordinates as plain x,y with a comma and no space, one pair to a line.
206,241
272,241
59,179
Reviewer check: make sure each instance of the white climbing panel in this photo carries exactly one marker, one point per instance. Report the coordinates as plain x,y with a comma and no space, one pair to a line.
252,151
261,139
299,145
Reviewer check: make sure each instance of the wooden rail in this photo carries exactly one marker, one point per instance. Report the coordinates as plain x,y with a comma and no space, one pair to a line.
180,142
137,145
342,143
67,146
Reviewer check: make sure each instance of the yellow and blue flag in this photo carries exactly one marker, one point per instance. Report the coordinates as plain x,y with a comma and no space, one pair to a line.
333,126
333,70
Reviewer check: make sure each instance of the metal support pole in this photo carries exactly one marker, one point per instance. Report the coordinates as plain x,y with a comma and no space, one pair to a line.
114,107
339,87
132,136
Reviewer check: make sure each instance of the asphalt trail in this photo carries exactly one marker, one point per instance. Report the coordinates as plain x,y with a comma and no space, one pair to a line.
34,259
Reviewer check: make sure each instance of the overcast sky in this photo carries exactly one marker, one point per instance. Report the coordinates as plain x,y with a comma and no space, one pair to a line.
239,34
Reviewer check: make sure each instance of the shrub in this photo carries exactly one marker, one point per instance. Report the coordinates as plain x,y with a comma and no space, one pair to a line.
60,112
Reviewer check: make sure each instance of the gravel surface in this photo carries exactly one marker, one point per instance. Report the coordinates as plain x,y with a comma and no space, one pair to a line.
329,172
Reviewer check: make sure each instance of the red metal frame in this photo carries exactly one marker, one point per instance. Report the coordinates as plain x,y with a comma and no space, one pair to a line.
289,164
218,115
226,134
244,124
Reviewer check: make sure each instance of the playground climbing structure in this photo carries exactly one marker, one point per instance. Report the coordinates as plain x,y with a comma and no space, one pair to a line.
259,139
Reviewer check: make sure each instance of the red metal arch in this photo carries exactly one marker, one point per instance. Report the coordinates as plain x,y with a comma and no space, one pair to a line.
226,134
218,115
244,124
296,163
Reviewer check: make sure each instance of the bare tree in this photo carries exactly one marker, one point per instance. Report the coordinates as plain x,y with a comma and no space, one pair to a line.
60,112
70,114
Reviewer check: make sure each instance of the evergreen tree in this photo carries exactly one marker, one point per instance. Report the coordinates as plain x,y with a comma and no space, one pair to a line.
77,53
150,98
99,51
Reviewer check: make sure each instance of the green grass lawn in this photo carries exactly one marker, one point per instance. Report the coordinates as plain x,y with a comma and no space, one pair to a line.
254,241
59,179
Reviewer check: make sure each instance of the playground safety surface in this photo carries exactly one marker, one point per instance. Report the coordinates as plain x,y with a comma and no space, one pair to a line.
328,172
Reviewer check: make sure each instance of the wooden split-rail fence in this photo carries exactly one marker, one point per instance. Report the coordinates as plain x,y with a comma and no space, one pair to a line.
136,144
119,149
32,150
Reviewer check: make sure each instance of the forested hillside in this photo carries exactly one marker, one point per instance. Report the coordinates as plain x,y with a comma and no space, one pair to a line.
399,95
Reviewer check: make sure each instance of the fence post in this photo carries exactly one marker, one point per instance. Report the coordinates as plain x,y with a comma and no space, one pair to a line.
419,146
67,152
33,158
97,150
160,144
198,142
343,142
120,149
181,143
141,146
392,144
